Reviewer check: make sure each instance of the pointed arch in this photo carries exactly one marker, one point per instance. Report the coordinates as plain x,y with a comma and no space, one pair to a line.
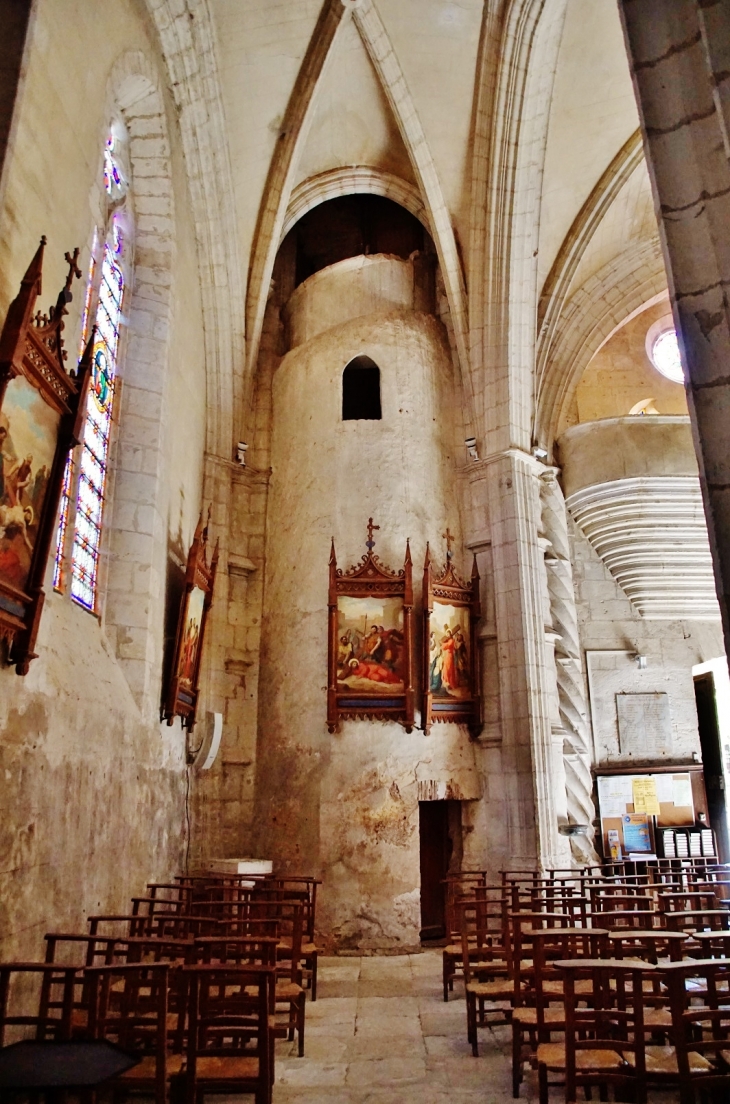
387,66
354,180
292,135
518,61
558,283
278,192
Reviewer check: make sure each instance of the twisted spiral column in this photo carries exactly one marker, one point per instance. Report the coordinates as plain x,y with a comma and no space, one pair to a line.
577,751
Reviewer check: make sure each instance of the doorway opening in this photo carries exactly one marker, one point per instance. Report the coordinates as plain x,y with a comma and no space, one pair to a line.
712,764
441,848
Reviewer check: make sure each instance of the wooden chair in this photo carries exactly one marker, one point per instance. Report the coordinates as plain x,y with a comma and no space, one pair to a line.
487,976
50,988
458,888
229,1041
701,1032
538,1002
130,1007
604,1030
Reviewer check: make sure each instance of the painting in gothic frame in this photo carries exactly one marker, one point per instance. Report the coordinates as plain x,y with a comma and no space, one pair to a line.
370,650
449,649
181,698
450,666
28,437
371,645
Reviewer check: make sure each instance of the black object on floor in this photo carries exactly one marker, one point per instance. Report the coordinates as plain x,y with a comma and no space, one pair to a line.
41,1064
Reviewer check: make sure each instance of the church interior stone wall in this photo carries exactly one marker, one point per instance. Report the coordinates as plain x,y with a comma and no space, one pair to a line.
468,195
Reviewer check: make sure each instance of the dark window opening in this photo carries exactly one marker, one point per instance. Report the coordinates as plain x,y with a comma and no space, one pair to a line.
361,391
350,226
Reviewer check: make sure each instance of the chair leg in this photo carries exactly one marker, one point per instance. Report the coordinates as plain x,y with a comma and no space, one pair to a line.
471,1023
516,1059
301,1007
542,1083
446,977
314,975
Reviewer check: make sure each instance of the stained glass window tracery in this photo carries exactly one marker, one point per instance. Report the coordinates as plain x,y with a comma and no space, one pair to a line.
85,476
69,470
95,445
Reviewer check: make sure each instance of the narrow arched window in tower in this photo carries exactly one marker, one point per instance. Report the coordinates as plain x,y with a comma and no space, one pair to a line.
361,391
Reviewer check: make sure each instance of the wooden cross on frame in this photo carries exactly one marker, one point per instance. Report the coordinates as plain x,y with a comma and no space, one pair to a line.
370,543
449,538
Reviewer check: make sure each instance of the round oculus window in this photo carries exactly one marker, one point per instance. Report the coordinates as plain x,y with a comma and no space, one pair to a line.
663,350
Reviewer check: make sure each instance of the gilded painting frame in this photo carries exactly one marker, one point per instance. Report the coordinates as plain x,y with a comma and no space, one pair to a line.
42,411
451,671
370,641
183,687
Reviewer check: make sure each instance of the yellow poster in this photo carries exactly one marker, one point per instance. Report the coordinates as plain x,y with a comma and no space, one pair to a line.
645,796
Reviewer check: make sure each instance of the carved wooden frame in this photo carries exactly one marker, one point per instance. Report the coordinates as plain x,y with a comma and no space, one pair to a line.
371,578
447,588
32,348
182,693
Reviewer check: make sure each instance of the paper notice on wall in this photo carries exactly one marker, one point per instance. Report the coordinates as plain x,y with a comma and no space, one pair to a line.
682,786
664,787
636,832
614,792
645,796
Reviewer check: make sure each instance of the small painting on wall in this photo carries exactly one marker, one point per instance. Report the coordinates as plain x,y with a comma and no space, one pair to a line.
28,438
370,652
370,640
181,699
449,671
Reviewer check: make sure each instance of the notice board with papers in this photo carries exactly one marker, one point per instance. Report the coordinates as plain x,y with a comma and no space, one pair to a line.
628,802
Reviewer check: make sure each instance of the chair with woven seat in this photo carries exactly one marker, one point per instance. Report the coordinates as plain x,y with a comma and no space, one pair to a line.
130,1007
700,1001
458,887
229,1039
604,1030
487,974
538,1002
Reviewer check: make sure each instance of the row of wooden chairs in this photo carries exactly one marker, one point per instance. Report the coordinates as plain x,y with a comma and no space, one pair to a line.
198,979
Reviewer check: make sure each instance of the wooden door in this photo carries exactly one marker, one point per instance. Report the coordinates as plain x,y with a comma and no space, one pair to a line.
436,826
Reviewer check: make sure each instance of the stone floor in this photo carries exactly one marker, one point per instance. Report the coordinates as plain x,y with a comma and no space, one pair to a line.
380,1033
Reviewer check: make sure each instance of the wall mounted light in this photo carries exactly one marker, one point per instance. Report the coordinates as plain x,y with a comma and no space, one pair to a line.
539,453
641,662
471,448
241,453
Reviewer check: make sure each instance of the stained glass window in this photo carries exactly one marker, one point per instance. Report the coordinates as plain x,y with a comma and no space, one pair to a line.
95,445
113,176
68,472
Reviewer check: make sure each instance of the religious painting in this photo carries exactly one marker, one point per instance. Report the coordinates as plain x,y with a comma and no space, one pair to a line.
370,640
449,672
181,697
41,415
370,649
451,676
193,621
28,437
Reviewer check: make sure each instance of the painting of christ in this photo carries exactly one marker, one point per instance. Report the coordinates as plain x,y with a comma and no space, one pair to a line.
190,644
370,645
28,435
449,658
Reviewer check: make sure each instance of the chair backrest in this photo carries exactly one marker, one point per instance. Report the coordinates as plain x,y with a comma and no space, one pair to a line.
228,1015
604,1012
74,949
701,1028
49,989
129,1007
237,950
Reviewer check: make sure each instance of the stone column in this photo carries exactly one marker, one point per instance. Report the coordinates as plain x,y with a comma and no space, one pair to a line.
679,52
577,752
14,16
525,683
